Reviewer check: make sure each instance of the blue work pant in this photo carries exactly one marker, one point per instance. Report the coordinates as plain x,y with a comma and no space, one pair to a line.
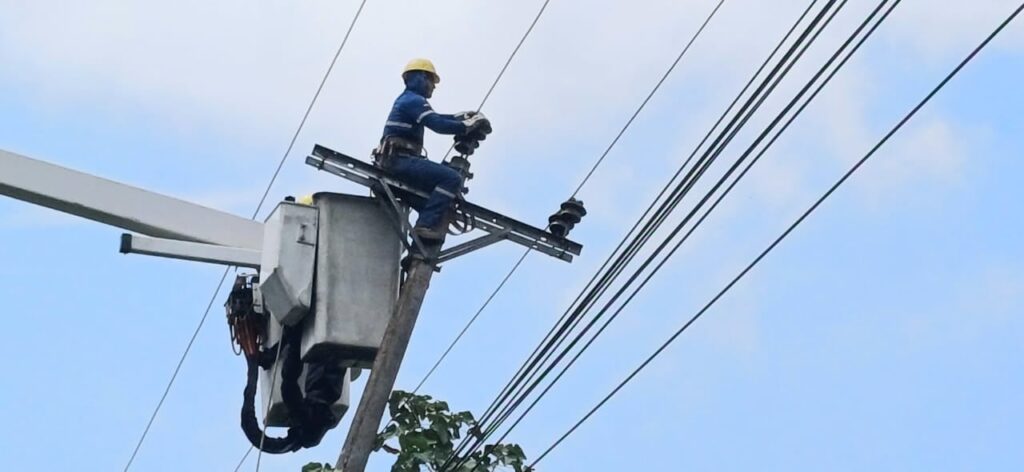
428,176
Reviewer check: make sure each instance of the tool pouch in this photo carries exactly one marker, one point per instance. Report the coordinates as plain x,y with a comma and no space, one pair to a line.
392,146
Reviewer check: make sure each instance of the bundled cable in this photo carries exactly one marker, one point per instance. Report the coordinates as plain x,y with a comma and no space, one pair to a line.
310,415
531,374
586,178
789,229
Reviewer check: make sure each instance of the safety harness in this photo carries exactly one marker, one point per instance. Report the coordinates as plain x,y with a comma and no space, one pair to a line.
391,147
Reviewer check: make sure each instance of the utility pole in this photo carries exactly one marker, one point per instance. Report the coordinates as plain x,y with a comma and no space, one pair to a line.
363,432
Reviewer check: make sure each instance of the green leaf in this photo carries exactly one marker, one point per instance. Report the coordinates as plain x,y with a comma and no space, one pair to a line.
391,431
396,401
443,433
425,429
405,463
414,442
465,417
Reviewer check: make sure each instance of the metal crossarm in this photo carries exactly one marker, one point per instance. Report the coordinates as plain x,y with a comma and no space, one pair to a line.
499,226
472,245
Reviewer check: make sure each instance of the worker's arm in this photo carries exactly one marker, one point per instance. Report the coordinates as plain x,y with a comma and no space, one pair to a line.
419,110
443,124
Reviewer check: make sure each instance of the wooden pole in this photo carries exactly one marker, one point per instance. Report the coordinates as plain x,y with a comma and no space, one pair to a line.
366,423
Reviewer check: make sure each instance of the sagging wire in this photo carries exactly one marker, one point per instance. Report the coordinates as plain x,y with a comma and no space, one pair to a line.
788,231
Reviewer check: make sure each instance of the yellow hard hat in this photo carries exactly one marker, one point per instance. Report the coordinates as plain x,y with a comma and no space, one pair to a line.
305,200
423,65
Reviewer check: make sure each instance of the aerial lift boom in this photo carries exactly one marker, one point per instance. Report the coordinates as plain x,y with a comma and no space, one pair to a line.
328,295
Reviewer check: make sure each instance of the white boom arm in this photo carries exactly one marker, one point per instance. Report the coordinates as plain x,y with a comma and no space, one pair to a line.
180,229
131,208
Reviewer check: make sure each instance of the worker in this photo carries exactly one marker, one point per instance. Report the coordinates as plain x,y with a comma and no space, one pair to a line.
401,149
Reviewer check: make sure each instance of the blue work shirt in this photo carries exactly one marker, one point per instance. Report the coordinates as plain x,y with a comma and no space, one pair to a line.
411,112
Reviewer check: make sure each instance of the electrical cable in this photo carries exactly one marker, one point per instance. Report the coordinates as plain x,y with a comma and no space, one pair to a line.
270,401
592,289
776,69
664,189
515,267
309,108
259,206
504,67
580,186
244,457
471,320
291,144
701,220
177,368
598,289
515,51
789,230
522,395
486,96
647,98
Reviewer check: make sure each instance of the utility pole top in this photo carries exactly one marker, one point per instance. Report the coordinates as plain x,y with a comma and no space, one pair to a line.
497,226
362,435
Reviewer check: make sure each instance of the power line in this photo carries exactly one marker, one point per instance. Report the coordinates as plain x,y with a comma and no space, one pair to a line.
270,402
521,258
504,67
648,98
259,206
515,267
309,109
522,396
789,230
590,284
515,51
593,168
486,96
471,320
284,157
244,457
273,381
177,368
701,220
593,291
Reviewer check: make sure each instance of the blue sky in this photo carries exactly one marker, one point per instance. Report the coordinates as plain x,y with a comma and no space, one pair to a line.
884,334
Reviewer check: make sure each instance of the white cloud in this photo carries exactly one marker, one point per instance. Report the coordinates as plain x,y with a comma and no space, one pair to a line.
984,301
245,68
930,154
943,29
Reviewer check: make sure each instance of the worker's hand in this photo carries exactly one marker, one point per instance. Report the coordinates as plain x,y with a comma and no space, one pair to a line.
465,115
472,118
477,124
477,129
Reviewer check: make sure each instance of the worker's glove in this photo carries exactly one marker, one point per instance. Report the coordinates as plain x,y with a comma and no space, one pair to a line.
465,115
472,118
477,129
477,126
466,146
